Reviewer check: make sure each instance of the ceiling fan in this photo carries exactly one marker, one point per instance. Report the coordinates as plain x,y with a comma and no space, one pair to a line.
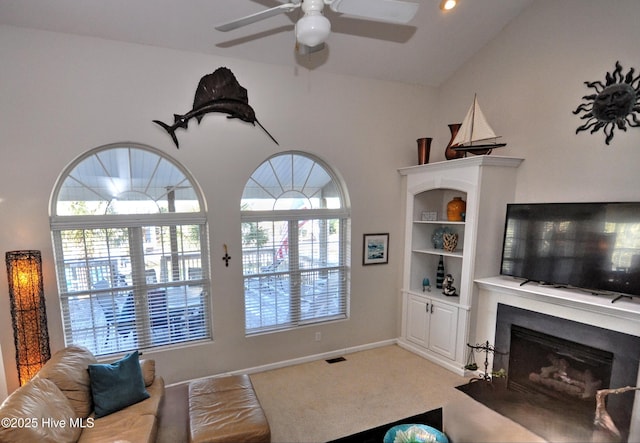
313,28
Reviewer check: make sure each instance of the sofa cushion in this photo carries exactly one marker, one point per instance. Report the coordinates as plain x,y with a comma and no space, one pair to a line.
38,412
122,427
117,385
67,368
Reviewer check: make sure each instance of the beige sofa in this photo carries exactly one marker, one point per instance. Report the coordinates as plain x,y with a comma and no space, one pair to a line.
57,405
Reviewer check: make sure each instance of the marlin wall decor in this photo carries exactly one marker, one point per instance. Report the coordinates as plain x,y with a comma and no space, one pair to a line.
216,92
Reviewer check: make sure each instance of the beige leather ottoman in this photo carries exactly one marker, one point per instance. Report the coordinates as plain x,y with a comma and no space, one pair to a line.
226,409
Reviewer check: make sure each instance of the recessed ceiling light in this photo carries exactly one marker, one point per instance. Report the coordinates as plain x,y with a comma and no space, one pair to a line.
447,5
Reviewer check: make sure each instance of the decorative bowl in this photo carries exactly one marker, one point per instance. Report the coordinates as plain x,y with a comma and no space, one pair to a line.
414,433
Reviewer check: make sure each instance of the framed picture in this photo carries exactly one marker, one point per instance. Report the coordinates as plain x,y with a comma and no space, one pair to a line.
375,249
429,215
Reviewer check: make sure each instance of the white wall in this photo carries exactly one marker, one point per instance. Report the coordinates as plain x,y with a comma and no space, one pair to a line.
529,80
62,95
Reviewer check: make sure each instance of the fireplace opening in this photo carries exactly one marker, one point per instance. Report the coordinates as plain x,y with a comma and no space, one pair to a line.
563,370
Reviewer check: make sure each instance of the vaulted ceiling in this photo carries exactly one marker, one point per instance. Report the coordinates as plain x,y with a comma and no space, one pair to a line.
426,51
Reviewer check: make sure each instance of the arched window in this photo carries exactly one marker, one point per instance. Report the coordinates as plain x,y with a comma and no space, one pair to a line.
295,244
130,241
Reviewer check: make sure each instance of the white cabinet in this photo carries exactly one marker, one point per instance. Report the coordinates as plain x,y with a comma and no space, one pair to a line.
432,325
435,325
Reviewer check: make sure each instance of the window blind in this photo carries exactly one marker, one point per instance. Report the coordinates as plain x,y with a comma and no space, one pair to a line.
295,273
119,293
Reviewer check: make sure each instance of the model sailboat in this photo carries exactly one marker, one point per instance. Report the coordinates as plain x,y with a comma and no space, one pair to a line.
475,135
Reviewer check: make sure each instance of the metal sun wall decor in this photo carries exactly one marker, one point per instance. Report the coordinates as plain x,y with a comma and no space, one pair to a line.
216,92
614,104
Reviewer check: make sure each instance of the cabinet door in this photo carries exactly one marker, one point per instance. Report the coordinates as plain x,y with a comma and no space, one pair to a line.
418,320
443,328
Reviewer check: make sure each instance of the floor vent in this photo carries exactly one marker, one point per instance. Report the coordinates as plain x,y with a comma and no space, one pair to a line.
335,360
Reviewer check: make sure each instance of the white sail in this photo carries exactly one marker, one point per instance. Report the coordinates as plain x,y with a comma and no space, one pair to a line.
475,127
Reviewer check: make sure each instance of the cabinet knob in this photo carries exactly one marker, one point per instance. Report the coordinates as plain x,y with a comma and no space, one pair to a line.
432,308
427,308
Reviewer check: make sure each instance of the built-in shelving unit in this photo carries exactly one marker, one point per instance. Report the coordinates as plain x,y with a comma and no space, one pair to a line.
434,325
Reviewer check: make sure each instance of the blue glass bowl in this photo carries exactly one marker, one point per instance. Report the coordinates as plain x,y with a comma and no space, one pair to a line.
421,434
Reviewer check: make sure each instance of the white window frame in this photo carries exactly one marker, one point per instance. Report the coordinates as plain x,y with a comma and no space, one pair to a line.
184,310
293,273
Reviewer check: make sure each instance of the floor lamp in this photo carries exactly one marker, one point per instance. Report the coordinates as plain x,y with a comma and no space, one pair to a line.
28,312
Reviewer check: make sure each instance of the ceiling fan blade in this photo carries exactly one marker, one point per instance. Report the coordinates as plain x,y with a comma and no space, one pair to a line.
287,7
393,11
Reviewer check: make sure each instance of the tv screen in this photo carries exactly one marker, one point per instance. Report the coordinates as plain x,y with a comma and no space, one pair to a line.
594,246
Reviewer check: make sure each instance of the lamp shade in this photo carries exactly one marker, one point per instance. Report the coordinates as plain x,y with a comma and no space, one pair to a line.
313,29
28,312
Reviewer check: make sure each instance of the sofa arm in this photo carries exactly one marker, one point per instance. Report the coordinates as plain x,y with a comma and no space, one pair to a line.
67,368
38,412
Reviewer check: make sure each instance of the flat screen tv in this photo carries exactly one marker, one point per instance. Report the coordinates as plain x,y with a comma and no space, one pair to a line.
592,246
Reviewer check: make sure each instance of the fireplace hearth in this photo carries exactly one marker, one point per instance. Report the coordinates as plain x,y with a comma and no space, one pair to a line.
557,365
546,416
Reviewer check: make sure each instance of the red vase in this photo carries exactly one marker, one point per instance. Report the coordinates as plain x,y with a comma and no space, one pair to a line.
450,153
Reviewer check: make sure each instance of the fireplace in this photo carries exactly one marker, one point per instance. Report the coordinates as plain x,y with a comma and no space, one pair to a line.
559,364
561,369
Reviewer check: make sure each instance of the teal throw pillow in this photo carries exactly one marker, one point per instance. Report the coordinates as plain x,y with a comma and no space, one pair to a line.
116,385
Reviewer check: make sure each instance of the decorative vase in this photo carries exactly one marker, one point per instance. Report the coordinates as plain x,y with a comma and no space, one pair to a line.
455,209
424,147
440,273
449,152
449,241
437,237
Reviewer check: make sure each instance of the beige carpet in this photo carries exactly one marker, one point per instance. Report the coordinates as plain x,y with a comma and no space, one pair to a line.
318,401
173,423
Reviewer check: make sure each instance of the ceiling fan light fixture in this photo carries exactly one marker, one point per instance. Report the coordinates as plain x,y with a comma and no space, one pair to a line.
313,29
447,5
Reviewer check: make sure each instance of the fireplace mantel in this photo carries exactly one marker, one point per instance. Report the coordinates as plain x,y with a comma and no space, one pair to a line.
625,308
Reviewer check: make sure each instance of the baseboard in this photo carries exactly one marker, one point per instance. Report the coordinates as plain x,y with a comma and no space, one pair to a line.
441,361
298,361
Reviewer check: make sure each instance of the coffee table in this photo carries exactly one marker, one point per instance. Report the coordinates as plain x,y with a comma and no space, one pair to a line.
431,418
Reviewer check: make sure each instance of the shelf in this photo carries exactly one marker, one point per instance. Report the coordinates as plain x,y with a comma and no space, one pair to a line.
432,251
436,294
459,163
439,222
